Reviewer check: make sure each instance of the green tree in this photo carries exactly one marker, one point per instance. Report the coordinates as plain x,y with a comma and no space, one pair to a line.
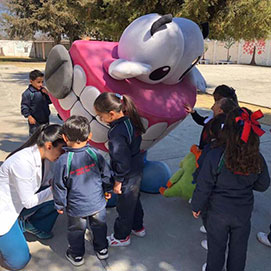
54,17
242,19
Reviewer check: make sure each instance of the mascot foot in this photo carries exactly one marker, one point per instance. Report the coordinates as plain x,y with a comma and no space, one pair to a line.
155,175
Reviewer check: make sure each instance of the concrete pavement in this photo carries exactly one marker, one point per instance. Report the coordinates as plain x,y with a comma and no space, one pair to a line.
173,239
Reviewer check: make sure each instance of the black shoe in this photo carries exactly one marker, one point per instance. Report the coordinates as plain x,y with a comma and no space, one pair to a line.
102,254
76,261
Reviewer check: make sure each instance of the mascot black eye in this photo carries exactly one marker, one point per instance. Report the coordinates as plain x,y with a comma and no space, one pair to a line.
159,73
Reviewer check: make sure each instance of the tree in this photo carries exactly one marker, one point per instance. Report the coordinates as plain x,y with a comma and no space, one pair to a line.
242,19
228,44
253,47
54,17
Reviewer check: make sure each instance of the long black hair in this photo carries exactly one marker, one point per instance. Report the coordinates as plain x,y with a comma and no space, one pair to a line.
108,101
44,133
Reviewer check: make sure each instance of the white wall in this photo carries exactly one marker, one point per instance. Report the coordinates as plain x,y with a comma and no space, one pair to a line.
16,48
240,52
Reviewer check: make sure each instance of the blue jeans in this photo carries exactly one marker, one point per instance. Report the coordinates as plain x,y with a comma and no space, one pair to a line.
42,217
14,252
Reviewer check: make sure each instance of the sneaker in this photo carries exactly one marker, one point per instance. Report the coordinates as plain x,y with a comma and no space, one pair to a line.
76,261
140,233
204,267
113,242
102,254
204,244
262,237
202,229
28,227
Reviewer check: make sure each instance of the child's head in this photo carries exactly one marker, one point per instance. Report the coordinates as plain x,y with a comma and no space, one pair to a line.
112,106
242,142
224,105
76,130
224,91
36,79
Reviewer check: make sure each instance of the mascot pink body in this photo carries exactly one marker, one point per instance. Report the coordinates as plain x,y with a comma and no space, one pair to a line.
153,64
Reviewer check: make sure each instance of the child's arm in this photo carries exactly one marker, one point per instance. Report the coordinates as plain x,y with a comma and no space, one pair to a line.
45,91
106,174
25,107
59,186
263,181
120,154
196,117
205,184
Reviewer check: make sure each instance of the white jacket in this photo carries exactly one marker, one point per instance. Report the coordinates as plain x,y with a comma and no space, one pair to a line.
20,179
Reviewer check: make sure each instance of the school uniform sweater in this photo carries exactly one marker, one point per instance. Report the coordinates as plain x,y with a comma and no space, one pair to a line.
78,182
35,103
226,192
124,149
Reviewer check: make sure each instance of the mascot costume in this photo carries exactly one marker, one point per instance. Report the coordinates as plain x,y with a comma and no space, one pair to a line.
153,62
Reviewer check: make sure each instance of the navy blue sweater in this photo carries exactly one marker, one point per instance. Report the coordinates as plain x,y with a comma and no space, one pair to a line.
124,149
35,103
80,188
226,193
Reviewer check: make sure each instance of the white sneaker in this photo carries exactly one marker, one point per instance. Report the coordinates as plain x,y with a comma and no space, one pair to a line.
140,233
262,237
202,229
204,267
204,244
113,242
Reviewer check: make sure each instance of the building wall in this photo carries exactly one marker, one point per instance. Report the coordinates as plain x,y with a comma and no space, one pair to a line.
16,48
36,49
241,52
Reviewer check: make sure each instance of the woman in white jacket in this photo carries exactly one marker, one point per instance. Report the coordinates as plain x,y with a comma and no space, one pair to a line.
24,204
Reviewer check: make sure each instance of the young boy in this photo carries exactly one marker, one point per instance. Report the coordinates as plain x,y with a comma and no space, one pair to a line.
35,102
80,179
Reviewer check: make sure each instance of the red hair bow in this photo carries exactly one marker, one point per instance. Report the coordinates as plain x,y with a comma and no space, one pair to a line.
250,122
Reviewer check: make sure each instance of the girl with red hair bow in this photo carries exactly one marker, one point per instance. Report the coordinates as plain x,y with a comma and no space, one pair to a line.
224,190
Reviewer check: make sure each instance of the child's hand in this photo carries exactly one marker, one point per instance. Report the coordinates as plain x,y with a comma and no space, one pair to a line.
107,195
196,214
61,212
31,120
188,109
44,90
117,187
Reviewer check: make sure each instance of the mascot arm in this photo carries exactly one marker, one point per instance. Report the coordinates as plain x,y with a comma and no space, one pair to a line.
197,79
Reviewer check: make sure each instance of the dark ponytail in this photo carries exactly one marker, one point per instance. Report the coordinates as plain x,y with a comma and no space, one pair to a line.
108,101
44,133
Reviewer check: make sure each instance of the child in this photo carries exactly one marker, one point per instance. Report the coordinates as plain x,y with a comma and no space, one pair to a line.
220,92
78,186
35,102
224,189
124,138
